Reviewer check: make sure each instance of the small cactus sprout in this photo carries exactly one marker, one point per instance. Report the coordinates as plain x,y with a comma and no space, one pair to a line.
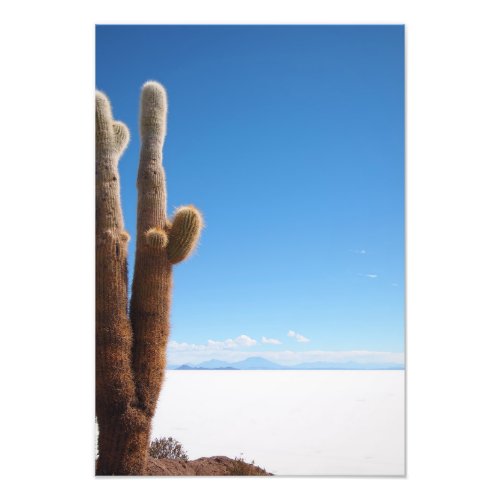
131,338
122,137
156,238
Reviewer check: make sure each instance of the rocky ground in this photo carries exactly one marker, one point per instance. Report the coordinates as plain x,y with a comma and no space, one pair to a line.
213,466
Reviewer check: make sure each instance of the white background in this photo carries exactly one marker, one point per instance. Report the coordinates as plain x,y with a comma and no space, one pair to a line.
47,208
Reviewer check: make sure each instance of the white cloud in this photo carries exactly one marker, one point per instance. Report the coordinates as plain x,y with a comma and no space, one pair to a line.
265,340
372,276
298,337
214,345
245,340
222,344
184,346
360,252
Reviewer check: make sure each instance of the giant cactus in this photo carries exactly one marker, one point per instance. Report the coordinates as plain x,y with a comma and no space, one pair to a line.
131,342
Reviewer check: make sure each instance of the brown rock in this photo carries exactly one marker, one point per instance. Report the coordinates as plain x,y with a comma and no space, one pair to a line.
212,466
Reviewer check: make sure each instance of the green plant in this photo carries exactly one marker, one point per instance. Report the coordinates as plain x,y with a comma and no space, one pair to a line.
167,448
131,338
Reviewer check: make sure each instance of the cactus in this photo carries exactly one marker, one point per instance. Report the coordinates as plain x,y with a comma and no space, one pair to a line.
131,342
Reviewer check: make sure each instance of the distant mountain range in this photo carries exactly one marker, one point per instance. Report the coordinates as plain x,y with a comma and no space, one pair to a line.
256,363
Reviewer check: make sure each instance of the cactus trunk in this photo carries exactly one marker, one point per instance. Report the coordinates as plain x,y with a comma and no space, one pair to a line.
130,351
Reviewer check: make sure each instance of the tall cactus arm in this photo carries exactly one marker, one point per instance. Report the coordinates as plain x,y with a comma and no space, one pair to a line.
115,389
114,334
160,243
151,288
111,140
151,184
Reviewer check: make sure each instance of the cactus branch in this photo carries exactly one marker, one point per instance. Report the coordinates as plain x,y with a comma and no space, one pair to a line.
150,303
122,137
115,389
151,184
186,229
111,140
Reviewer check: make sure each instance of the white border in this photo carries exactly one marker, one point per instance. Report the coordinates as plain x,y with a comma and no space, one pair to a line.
453,246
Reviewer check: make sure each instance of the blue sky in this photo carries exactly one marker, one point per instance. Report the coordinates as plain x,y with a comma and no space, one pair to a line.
290,139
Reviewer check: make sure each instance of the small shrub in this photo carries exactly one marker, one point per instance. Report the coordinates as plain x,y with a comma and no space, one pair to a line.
167,448
240,468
